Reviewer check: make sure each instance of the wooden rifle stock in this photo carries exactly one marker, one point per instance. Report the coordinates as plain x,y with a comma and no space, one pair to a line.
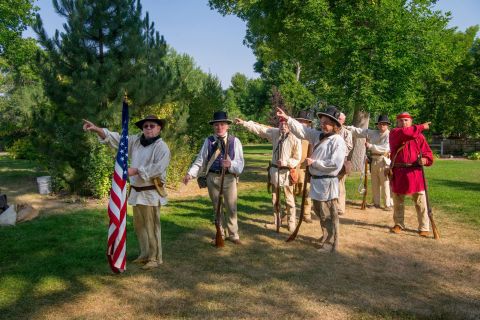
436,235
365,185
219,242
306,180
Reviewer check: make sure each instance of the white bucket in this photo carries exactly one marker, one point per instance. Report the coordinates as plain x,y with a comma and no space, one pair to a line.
44,184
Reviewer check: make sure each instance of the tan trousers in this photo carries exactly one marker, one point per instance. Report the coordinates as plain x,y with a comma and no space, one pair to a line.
299,191
229,202
146,222
290,204
341,194
327,212
420,206
380,184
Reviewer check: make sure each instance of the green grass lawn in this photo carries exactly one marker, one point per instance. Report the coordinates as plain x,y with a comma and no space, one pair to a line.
14,171
55,259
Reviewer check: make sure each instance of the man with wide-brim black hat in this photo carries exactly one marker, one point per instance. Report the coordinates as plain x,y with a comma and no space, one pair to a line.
149,158
304,117
324,166
221,150
379,148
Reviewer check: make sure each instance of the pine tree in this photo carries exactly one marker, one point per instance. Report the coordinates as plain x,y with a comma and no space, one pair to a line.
105,49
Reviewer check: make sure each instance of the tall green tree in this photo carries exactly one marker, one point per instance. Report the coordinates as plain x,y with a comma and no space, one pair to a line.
19,80
15,16
201,110
454,97
366,56
106,48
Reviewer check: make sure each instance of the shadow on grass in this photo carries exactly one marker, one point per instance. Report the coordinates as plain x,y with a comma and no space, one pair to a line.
461,185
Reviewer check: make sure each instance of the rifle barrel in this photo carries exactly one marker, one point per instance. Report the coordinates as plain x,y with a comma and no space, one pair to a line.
365,186
436,234
306,179
219,242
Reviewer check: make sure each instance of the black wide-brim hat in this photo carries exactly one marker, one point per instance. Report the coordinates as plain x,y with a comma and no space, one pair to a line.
303,115
332,113
220,116
383,119
151,118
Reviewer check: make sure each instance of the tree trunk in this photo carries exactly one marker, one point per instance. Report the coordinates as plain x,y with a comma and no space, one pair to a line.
357,156
298,71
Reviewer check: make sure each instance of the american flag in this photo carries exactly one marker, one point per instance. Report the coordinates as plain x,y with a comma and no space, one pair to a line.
117,206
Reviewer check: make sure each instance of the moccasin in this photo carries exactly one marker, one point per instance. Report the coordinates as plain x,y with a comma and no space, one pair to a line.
423,234
150,265
396,229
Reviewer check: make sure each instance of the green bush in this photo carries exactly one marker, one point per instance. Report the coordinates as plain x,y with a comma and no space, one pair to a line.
98,167
23,149
474,155
181,159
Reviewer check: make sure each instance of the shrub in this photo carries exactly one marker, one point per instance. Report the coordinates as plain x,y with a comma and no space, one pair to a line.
23,149
181,159
98,167
474,155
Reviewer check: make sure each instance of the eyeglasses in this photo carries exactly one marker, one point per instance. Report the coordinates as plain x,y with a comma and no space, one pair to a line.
149,126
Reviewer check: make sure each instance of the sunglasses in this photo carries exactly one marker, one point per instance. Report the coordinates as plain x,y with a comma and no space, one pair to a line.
149,126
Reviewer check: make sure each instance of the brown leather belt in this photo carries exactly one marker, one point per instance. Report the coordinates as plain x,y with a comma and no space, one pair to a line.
143,188
406,165
323,177
218,171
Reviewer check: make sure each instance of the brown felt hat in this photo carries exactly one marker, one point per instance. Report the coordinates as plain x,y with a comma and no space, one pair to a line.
151,118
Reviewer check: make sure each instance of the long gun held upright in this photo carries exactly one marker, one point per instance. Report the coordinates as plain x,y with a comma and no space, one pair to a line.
306,180
278,218
436,235
219,242
365,185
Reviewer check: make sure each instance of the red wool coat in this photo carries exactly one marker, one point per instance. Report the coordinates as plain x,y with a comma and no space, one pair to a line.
409,180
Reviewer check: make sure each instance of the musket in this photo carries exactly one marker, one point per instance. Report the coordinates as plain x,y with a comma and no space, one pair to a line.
436,235
278,218
365,185
306,180
219,242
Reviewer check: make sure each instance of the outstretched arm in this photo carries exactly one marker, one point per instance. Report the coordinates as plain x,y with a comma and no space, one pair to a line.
261,130
89,126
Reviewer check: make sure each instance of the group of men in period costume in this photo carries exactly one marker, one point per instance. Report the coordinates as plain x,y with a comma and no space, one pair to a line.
296,146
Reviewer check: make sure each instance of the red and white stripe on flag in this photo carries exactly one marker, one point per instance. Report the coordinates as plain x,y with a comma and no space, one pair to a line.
117,206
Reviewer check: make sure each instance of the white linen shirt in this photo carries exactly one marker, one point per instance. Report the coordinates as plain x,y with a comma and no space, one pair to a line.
291,150
328,159
151,161
379,141
201,160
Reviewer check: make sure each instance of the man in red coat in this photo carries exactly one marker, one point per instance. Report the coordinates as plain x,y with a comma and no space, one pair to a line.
409,151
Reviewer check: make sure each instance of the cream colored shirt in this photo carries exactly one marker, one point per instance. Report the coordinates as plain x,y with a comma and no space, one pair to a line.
328,159
379,141
347,137
291,150
151,161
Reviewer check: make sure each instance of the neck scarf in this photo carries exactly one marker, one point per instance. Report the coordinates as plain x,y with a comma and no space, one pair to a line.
148,141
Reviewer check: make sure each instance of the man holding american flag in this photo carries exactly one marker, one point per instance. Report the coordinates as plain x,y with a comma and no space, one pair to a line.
149,158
